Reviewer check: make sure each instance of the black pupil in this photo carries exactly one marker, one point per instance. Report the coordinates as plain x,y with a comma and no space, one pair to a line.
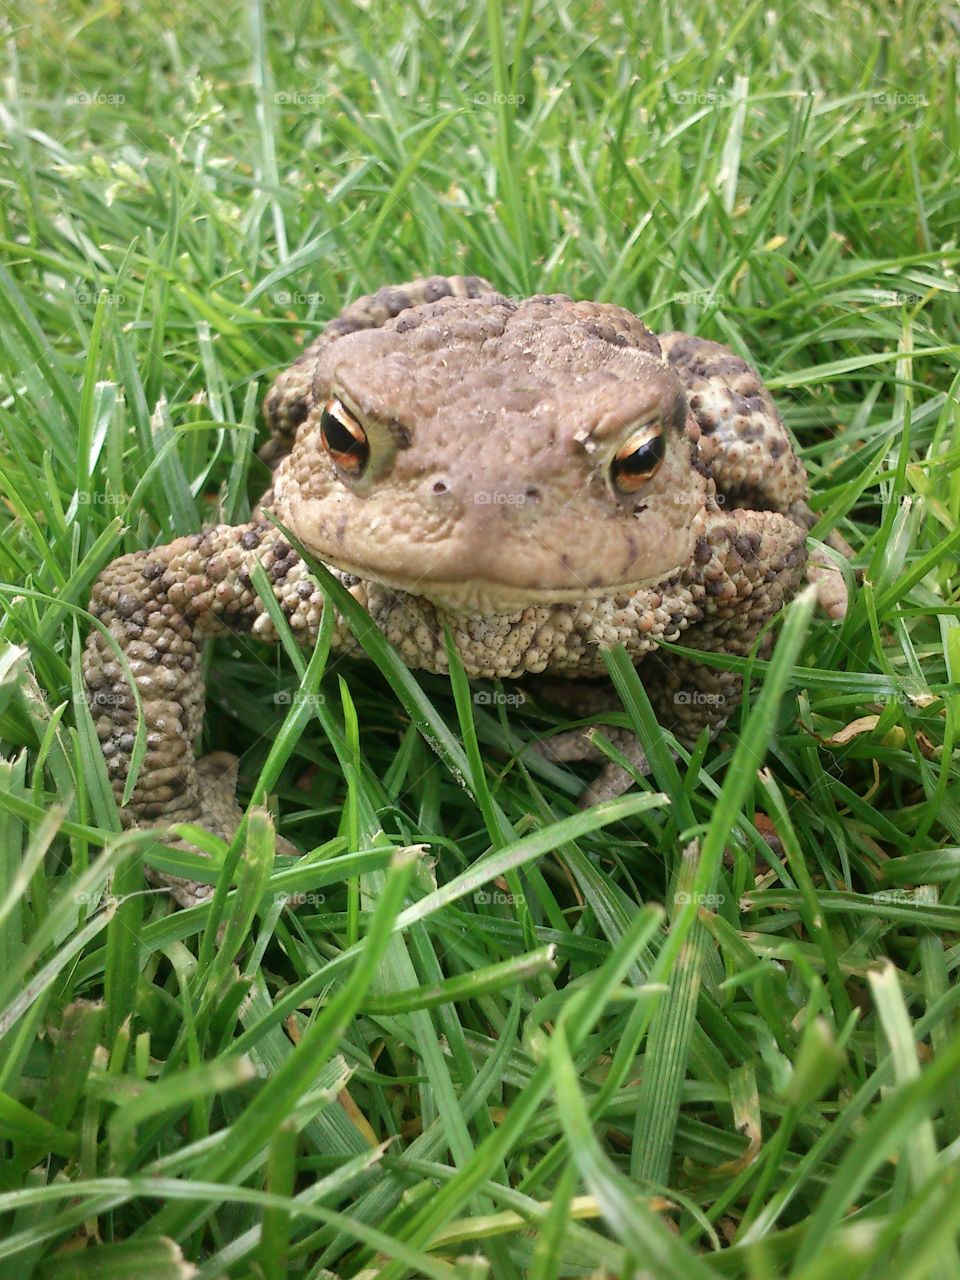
339,439
643,459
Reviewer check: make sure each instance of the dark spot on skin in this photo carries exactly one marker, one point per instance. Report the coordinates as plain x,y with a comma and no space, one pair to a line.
152,570
747,546
297,410
127,605
392,300
341,527
752,429
402,436
245,618
251,539
697,463
639,509
305,590
408,322
714,588
437,287
777,446
702,552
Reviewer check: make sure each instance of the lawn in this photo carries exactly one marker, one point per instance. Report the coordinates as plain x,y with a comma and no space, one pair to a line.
710,1029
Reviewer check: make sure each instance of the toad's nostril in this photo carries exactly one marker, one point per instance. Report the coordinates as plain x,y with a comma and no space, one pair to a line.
533,494
440,487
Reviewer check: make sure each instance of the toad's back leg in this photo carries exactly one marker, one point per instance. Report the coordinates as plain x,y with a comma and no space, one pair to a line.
749,448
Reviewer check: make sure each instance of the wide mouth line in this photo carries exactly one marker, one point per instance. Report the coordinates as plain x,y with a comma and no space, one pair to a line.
485,588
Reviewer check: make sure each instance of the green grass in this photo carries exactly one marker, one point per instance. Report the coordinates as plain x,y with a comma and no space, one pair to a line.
480,1047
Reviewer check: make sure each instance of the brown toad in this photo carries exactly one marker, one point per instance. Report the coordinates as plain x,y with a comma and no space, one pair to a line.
545,477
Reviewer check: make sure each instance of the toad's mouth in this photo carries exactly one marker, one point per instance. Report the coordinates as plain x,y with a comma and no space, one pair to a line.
487,596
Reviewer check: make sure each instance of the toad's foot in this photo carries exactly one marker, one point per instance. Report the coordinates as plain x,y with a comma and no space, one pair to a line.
217,812
577,746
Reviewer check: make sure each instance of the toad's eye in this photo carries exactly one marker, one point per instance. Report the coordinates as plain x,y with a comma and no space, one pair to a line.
344,438
638,458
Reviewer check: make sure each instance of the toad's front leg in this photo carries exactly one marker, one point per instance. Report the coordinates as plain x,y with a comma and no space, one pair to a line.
159,606
747,566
